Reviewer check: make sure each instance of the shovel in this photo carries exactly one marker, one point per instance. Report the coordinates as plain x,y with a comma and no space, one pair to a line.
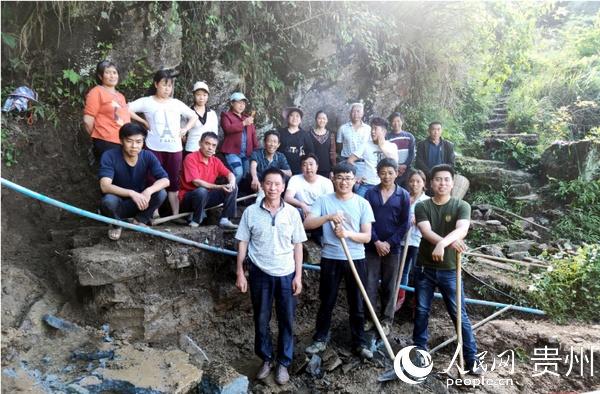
459,338
366,299
400,272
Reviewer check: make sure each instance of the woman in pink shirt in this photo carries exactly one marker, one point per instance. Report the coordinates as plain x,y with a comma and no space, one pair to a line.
239,135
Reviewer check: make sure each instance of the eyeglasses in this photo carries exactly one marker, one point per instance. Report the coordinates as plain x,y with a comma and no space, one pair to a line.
344,179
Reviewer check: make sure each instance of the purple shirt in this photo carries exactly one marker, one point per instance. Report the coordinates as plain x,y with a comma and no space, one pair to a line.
391,218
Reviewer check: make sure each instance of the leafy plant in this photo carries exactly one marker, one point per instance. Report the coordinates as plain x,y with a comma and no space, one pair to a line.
581,220
571,289
9,150
515,153
71,76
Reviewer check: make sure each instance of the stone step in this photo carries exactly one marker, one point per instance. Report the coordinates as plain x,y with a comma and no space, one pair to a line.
491,173
493,123
533,197
497,139
467,161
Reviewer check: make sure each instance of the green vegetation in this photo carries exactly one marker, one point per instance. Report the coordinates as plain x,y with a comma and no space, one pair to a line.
582,217
516,154
9,151
571,289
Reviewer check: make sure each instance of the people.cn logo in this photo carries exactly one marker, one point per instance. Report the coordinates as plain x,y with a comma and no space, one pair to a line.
407,371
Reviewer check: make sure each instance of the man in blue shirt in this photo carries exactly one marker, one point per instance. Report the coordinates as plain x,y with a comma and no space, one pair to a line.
267,157
391,207
352,217
122,178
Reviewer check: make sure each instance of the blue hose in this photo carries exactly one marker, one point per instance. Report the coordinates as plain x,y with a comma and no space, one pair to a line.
171,237
95,216
467,300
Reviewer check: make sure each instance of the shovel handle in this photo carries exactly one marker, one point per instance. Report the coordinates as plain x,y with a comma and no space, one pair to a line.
366,298
459,340
400,271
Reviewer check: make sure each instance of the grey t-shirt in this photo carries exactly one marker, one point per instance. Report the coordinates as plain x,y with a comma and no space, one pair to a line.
357,211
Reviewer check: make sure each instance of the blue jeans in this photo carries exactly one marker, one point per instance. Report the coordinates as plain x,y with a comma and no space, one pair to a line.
239,165
197,200
426,280
117,207
263,289
411,260
331,275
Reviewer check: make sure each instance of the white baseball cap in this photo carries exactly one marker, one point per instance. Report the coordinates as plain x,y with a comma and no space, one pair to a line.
200,85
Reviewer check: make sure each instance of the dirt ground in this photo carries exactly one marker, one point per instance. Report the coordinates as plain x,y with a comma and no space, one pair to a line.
39,277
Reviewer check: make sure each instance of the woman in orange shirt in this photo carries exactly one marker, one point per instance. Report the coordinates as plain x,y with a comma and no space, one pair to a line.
106,110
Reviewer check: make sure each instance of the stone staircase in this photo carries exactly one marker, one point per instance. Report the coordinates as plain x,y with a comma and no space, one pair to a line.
486,173
500,130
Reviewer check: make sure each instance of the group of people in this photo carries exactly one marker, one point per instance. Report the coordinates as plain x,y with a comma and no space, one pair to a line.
371,196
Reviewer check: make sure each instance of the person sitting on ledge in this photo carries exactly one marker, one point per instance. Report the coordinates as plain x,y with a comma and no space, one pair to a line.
268,157
122,178
198,189
304,189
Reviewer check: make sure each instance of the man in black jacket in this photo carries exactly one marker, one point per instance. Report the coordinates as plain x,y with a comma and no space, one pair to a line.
434,150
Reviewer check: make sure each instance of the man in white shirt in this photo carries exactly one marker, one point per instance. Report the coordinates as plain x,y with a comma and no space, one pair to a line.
303,189
371,153
353,134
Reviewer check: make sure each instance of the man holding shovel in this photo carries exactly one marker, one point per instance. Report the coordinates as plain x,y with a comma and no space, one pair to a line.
344,216
444,222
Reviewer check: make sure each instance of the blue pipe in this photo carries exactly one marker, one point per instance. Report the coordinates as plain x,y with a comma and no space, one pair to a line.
467,300
95,216
171,237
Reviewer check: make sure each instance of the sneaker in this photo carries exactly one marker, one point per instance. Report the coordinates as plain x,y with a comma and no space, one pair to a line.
264,370
369,325
316,347
364,353
386,327
227,225
477,369
281,375
193,224
417,359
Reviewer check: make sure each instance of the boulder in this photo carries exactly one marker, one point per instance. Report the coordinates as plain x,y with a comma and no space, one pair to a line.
491,174
98,265
570,160
522,245
20,289
494,226
476,214
147,370
492,250
220,378
519,189
312,252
